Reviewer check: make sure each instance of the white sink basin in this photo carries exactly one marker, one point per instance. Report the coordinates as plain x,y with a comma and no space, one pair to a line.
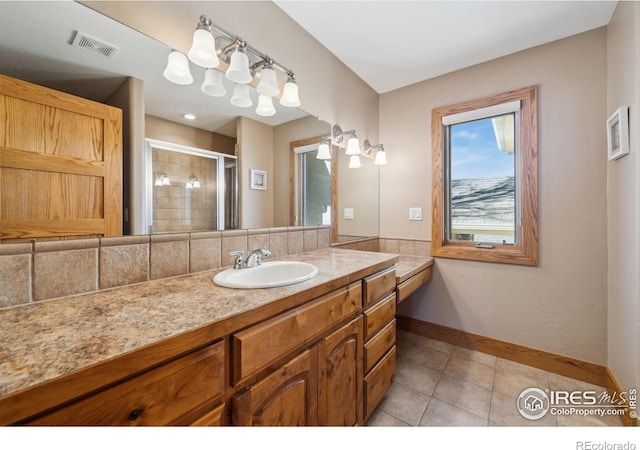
266,275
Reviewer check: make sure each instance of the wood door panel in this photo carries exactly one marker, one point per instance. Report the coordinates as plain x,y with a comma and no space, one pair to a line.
287,397
340,376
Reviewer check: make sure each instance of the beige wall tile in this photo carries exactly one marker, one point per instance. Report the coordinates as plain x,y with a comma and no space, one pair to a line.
123,264
324,237
205,254
278,244
295,241
168,258
258,240
15,279
62,273
310,239
233,240
389,245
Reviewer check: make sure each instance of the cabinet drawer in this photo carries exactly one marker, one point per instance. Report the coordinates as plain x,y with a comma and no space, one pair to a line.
408,287
257,347
378,285
376,317
378,381
166,395
379,345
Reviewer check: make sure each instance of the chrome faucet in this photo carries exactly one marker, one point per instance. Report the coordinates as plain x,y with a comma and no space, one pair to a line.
251,259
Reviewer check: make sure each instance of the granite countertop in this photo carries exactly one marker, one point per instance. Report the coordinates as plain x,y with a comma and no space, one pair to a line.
407,266
47,340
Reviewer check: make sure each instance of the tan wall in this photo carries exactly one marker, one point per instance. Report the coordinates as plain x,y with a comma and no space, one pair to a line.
623,200
177,133
560,305
255,151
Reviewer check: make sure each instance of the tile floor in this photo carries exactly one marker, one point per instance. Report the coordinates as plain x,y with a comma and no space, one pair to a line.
439,384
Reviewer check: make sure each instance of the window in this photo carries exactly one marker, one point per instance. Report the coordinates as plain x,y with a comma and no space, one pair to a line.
312,190
484,173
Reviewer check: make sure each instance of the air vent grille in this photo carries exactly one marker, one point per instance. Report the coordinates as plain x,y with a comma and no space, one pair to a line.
94,45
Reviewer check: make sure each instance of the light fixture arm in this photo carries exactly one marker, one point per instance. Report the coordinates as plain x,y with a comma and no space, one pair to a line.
338,134
368,148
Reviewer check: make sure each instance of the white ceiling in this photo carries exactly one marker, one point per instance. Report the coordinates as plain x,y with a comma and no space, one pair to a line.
391,44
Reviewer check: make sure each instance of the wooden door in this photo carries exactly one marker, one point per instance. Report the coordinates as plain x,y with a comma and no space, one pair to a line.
287,397
340,376
60,164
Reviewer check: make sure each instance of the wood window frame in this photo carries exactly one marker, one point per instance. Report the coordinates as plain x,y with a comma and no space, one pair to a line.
525,251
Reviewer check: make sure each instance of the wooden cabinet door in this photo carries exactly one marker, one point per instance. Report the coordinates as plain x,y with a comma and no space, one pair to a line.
340,376
286,397
60,164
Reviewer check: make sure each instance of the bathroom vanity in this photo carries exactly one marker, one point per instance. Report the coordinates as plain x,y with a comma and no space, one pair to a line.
184,351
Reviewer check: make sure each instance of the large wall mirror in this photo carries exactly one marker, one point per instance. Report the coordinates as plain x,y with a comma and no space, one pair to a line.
38,46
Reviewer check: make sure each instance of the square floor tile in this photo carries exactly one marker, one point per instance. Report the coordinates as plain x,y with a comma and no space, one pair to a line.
471,371
415,376
463,394
404,403
427,357
504,412
441,414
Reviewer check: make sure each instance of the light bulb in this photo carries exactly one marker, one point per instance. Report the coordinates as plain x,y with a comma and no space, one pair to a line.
212,84
381,158
353,146
203,49
241,96
238,70
177,70
323,151
354,162
290,94
268,84
265,106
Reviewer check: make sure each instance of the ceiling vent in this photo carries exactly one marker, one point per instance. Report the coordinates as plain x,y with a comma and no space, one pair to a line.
94,45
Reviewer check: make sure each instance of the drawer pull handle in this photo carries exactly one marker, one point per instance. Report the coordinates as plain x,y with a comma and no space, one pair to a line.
133,415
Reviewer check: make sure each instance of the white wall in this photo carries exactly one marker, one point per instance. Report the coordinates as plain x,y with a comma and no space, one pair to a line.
623,200
560,305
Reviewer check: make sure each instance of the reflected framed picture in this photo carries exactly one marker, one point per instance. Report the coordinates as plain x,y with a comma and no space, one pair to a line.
618,133
258,179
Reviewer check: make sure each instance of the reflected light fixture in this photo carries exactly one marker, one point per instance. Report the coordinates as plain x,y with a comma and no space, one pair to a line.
210,45
354,162
203,48
162,180
353,144
265,106
290,93
381,155
241,96
268,84
238,70
324,151
212,84
177,70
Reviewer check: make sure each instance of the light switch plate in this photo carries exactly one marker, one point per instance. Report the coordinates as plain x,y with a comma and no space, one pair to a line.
348,213
415,213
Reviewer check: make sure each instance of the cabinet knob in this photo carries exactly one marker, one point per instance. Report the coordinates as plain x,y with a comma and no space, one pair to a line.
133,415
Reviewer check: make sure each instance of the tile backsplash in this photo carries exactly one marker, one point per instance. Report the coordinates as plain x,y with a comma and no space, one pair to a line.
41,270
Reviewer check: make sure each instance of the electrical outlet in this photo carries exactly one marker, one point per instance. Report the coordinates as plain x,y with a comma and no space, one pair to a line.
415,213
348,214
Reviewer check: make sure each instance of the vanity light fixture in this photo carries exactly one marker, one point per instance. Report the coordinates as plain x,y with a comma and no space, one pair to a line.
193,183
353,144
177,70
381,155
265,106
162,180
324,151
203,48
354,162
211,44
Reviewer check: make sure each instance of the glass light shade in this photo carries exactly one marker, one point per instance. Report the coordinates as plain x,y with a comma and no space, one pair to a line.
354,162
381,158
241,97
353,146
265,106
196,183
212,84
290,95
166,181
203,50
188,185
238,70
158,182
268,84
177,70
323,151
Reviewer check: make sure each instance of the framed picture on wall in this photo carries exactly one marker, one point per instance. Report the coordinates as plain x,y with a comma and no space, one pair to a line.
618,133
258,179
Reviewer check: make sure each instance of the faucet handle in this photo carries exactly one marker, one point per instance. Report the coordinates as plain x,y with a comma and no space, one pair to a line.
239,259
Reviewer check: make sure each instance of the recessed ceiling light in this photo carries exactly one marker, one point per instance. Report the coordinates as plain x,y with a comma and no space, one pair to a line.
189,116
